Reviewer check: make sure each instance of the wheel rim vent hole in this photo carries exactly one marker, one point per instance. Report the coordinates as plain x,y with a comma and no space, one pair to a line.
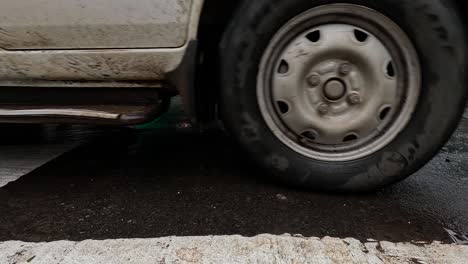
384,112
390,70
360,36
350,138
314,36
310,135
283,67
283,107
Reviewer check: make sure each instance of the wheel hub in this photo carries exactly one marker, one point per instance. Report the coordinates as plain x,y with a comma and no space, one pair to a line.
334,90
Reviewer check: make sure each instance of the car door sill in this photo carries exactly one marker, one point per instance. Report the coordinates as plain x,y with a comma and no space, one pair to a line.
59,112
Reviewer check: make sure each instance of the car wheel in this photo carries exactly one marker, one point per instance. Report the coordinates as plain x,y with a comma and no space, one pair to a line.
343,96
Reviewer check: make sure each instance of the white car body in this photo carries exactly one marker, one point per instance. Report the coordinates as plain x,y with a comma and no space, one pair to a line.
58,42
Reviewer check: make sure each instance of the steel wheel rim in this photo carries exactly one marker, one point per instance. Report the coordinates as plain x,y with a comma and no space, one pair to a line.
338,82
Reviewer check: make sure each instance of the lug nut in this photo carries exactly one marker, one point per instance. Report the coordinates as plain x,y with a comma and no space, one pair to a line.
345,68
314,80
354,98
323,109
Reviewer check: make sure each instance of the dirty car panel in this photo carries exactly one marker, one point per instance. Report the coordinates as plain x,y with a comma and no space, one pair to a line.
91,24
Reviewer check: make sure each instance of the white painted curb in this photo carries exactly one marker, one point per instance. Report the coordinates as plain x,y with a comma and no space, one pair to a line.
230,249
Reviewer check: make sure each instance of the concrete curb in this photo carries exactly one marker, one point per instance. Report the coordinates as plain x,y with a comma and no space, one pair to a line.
230,249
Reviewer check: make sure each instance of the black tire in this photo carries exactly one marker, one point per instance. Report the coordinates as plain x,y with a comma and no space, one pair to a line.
437,34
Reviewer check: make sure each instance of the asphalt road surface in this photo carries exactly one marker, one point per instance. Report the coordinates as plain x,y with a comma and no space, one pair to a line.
172,181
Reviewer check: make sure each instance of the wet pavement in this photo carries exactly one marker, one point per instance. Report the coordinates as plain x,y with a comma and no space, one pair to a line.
173,181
